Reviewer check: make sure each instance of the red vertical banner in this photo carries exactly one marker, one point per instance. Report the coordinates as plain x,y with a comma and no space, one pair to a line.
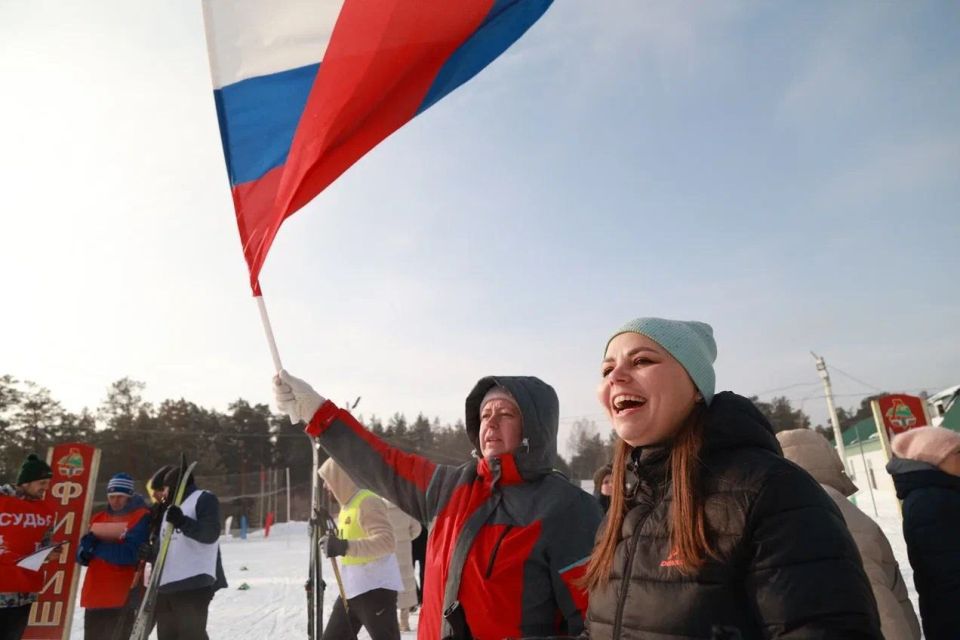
70,495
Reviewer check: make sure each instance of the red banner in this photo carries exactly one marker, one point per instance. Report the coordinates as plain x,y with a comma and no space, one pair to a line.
901,412
70,495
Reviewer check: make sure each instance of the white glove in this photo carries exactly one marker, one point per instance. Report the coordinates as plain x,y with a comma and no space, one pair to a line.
295,397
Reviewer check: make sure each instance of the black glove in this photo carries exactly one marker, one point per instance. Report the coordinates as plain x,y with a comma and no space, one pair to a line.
145,551
334,546
85,558
175,516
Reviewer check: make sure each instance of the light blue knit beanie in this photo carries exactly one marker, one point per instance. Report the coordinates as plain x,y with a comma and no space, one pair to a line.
689,341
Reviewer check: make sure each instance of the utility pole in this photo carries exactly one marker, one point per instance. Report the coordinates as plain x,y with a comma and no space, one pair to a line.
828,391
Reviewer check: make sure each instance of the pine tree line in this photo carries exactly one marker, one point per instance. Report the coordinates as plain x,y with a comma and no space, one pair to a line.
138,437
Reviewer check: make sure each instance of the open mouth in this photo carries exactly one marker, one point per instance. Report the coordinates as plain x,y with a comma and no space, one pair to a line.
624,402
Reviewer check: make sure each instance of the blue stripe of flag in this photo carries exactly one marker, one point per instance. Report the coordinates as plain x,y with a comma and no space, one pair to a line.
504,24
258,118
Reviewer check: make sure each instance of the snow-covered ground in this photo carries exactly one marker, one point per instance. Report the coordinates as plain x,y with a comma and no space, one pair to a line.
275,605
275,569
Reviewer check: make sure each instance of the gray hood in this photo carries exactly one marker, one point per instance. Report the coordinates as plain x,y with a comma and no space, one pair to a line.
898,466
540,409
811,451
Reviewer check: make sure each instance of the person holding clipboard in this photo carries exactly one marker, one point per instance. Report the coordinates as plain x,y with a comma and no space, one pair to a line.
111,553
26,526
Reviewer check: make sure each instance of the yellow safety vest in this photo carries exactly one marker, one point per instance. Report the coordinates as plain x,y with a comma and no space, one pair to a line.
349,523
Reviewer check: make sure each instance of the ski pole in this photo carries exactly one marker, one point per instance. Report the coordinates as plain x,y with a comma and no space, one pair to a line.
327,527
336,574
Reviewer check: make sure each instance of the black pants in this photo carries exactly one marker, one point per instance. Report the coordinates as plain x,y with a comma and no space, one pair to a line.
108,624
13,620
375,611
183,615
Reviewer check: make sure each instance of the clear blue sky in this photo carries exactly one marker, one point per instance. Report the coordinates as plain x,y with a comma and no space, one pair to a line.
788,172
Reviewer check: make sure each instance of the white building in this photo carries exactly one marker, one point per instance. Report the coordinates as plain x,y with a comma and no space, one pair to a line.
940,403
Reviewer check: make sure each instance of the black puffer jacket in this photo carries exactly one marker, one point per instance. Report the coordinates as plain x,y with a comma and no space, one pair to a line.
931,528
788,567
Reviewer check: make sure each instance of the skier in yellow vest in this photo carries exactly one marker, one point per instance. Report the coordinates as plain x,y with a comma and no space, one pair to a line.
368,567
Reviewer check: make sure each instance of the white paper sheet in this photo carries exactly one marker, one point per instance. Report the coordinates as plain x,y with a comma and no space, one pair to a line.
35,560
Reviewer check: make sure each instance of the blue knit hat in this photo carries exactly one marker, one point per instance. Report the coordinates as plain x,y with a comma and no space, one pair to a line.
689,341
120,484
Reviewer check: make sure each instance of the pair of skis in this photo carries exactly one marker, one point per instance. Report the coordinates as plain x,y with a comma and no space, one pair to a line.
144,621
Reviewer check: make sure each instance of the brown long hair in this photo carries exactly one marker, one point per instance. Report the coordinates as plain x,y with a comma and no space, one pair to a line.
689,542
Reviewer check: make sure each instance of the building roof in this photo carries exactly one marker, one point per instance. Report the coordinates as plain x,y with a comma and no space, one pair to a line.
945,394
864,431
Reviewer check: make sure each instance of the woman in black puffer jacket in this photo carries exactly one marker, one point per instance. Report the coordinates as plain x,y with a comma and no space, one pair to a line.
711,533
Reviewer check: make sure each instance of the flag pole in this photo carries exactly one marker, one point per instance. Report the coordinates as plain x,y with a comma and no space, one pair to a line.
267,329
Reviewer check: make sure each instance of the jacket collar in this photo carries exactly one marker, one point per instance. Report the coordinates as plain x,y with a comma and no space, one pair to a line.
734,422
499,470
910,475
136,501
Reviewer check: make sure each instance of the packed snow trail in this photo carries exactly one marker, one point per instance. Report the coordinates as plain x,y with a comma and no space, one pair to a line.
275,605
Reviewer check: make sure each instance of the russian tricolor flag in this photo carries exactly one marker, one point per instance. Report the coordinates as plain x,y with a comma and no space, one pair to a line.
304,88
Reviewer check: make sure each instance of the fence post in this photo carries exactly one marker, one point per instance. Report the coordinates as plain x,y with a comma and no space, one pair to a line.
288,494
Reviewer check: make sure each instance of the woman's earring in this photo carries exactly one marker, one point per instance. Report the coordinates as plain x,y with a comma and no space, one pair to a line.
698,398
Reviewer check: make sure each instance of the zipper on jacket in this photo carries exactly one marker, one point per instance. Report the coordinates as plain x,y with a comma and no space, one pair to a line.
496,549
632,545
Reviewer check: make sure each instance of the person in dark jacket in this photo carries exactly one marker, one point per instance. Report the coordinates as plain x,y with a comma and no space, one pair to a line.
418,550
158,505
112,585
603,485
926,473
509,537
711,533
192,572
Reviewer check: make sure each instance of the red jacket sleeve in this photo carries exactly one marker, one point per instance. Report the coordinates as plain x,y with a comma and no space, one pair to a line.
400,477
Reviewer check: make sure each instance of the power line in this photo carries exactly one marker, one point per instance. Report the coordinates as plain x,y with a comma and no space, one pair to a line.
834,367
789,386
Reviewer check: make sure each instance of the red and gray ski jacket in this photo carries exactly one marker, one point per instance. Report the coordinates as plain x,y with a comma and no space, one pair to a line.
509,537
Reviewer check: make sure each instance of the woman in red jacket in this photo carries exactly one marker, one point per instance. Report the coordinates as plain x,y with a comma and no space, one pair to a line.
509,537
